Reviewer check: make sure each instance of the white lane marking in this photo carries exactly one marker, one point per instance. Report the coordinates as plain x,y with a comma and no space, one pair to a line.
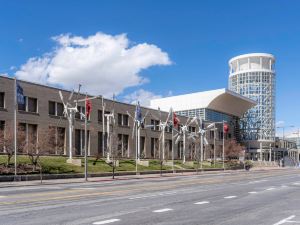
256,181
162,210
152,195
284,186
229,197
270,189
286,220
296,183
201,203
106,221
252,192
84,188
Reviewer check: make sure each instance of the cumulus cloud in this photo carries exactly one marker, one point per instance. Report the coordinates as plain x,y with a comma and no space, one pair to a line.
103,64
141,95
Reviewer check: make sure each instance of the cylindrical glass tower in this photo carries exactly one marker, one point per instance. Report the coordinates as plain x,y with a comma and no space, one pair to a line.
253,76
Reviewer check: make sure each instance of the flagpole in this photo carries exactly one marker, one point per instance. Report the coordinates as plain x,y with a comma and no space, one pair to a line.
103,127
85,142
172,140
15,126
136,141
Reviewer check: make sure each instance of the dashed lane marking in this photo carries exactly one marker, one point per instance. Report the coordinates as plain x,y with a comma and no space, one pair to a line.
229,197
153,195
84,188
201,203
162,210
270,189
106,221
252,192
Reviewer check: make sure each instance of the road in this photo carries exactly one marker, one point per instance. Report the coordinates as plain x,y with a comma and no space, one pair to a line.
237,197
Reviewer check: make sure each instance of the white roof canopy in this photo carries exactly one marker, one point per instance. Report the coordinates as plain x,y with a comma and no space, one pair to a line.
221,100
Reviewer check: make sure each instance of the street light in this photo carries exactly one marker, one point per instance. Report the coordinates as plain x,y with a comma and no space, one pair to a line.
283,127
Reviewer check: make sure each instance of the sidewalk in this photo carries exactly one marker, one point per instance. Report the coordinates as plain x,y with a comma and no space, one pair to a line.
125,177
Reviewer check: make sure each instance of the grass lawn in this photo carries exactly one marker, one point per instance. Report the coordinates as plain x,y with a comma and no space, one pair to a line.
58,165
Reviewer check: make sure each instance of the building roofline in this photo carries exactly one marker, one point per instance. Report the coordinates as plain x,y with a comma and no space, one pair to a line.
251,55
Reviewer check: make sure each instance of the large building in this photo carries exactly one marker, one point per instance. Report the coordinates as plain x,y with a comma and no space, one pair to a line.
43,109
212,106
253,76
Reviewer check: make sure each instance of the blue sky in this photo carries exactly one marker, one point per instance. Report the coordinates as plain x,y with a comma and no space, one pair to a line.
199,38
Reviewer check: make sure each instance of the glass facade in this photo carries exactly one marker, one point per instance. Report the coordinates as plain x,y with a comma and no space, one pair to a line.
253,76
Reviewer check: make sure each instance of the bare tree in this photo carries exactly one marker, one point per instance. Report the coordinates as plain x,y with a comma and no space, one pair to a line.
116,150
233,150
7,142
35,147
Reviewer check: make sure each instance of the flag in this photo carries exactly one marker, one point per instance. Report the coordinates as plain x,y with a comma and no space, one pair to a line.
88,106
226,128
175,120
20,95
138,113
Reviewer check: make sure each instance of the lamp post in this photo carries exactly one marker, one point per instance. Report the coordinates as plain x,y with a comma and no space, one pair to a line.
283,127
297,142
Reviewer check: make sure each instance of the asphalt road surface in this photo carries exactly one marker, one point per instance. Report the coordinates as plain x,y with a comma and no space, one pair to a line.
255,197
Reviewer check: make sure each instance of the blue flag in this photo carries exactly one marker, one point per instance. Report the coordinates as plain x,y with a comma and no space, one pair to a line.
138,113
20,95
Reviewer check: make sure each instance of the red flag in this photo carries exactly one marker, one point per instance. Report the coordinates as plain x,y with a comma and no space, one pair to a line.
175,120
88,106
226,128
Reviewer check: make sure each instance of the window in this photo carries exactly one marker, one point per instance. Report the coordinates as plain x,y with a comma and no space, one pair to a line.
80,142
22,107
120,119
59,109
105,117
2,125
100,116
32,105
155,125
192,129
154,147
2,100
56,108
57,140
80,113
122,144
102,143
123,119
52,108
27,133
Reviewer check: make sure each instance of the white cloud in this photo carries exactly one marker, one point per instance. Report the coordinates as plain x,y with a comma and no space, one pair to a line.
141,95
102,63
280,123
